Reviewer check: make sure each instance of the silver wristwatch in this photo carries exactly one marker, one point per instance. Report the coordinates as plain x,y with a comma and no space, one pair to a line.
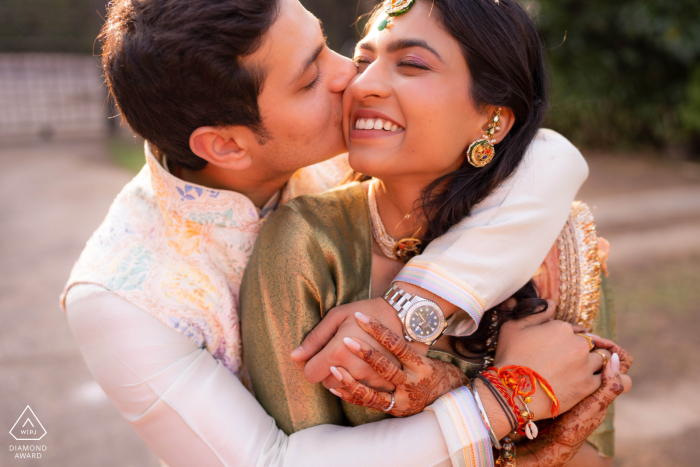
423,320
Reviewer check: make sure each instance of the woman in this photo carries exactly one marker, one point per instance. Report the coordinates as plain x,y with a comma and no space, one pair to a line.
438,88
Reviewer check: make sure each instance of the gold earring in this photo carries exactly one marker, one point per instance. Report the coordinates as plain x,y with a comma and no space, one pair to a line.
482,151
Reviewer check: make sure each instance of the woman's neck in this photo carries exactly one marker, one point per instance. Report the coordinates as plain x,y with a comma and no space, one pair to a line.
396,203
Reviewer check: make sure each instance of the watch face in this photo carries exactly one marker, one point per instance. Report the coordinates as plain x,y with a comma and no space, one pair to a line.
424,322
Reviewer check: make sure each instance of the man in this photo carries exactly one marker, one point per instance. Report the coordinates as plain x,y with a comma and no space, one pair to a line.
233,98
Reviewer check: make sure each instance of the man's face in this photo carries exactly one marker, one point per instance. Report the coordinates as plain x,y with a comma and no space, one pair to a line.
301,101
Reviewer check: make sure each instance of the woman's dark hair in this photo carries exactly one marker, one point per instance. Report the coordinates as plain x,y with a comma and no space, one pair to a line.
173,66
507,63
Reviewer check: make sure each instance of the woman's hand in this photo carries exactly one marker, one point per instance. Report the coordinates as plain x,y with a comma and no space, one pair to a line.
567,435
421,381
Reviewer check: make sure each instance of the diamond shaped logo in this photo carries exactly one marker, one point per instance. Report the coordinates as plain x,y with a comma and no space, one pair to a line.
28,427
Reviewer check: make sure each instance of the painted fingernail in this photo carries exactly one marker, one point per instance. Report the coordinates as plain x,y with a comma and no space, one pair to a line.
296,352
362,318
615,363
550,303
352,343
593,336
336,373
336,393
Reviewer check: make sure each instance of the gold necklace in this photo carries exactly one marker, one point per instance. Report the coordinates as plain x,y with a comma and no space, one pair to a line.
404,249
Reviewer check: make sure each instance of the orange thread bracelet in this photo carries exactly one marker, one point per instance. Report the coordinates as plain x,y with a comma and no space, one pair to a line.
496,382
523,381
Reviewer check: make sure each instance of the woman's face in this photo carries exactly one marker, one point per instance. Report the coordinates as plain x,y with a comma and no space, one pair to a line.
413,81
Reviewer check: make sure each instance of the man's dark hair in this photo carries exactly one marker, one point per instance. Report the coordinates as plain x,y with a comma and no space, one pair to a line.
173,66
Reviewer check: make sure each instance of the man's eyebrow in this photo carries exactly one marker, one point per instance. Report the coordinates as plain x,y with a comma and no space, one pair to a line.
312,58
309,61
400,44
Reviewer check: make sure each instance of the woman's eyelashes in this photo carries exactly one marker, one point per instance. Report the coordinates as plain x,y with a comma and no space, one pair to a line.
414,64
362,62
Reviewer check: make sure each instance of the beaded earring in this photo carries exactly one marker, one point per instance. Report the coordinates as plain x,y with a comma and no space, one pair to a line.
482,151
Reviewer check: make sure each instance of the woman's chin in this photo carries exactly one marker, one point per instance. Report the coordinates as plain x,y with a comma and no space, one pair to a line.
372,163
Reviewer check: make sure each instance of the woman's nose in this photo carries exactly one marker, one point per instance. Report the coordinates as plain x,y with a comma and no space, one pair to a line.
372,82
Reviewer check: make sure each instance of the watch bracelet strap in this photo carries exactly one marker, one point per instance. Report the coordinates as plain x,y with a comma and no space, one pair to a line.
401,301
397,298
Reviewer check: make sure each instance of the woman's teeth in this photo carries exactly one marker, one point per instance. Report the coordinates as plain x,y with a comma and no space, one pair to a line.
376,124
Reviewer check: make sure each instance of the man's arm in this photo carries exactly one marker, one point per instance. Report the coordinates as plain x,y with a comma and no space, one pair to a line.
489,255
191,410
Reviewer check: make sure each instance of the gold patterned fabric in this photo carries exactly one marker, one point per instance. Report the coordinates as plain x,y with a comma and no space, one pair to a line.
312,255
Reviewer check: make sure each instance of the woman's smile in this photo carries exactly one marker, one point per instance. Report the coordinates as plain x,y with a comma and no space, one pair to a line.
368,124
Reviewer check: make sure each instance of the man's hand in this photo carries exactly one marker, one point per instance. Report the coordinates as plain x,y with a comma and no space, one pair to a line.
324,346
553,350
559,446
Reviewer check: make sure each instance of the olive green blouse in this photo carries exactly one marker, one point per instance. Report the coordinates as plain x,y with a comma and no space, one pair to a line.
312,255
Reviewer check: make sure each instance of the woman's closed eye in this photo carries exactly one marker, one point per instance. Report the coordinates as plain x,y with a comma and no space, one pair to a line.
406,66
362,62
414,64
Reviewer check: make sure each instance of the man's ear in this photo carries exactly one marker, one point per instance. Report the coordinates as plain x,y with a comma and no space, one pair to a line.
228,147
505,121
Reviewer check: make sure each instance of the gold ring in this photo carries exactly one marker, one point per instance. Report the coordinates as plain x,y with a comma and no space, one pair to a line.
602,354
589,339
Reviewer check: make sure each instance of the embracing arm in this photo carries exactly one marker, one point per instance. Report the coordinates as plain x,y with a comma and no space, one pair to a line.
191,410
485,258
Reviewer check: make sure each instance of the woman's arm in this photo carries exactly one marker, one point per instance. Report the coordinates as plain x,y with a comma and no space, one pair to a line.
191,410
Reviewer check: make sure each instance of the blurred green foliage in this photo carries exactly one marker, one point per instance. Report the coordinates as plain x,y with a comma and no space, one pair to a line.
625,72
339,18
50,25
127,153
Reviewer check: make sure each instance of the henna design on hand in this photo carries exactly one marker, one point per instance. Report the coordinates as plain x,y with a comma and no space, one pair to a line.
626,359
383,366
570,431
393,342
418,384
440,379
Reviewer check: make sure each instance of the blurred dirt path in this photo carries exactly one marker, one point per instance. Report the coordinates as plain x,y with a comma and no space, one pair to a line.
649,225
649,210
53,197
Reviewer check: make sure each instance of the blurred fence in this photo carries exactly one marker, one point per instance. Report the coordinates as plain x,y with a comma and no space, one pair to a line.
49,95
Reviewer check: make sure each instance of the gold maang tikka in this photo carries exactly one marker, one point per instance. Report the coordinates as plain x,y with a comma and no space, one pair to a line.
394,8
482,151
